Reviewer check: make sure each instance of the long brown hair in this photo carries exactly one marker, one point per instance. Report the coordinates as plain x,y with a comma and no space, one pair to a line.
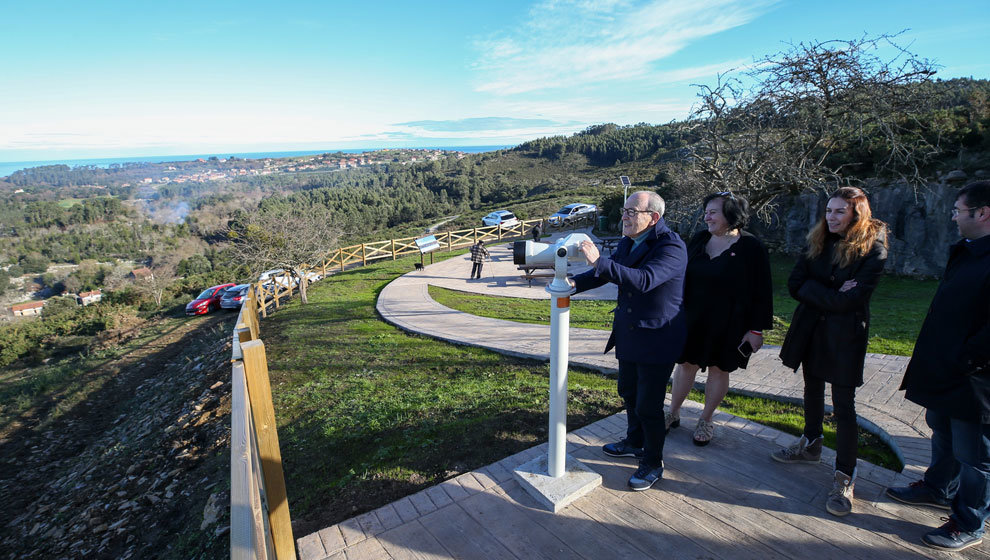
864,230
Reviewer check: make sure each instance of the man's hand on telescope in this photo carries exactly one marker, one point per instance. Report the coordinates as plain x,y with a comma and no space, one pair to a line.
590,251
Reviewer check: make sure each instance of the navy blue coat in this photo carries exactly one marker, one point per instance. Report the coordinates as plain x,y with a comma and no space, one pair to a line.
649,325
950,368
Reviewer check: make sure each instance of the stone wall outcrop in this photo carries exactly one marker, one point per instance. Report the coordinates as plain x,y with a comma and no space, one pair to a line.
921,228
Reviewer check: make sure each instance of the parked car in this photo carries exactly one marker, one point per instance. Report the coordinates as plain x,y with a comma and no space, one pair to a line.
279,277
284,279
569,213
208,300
504,217
234,297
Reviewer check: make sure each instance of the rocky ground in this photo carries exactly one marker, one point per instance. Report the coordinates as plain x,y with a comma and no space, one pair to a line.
140,469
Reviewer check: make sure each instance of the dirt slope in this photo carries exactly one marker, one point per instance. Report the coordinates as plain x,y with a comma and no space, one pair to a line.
140,469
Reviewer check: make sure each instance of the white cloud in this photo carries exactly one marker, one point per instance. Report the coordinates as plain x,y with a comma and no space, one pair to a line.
568,43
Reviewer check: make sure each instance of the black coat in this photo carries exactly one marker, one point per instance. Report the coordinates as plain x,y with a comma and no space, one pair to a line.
829,325
648,326
721,308
950,369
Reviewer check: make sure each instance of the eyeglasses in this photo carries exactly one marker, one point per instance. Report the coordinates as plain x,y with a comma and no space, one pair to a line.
956,211
725,193
633,211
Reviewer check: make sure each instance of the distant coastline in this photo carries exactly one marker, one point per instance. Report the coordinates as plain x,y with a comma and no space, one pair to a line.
8,167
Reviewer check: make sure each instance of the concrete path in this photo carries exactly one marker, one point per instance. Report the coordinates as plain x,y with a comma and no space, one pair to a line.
407,304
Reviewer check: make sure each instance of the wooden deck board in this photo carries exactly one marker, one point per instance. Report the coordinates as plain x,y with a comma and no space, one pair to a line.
728,500
411,541
501,518
590,539
464,537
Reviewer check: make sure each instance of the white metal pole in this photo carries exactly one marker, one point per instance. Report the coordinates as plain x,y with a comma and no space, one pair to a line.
560,320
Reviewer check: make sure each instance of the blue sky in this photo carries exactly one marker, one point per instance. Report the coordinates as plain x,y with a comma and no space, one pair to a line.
115,79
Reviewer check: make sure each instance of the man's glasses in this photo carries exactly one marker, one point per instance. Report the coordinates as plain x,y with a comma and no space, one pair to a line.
633,211
956,211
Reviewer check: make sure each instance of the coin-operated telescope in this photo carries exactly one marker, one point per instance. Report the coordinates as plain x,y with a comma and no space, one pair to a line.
566,250
559,254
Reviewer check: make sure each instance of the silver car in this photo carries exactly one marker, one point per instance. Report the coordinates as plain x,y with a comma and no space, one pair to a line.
571,212
234,296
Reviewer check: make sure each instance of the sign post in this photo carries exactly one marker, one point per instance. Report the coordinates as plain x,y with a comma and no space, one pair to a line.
626,184
427,244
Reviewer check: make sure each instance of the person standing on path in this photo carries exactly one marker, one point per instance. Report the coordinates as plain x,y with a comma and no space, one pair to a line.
949,375
648,328
478,255
537,231
728,303
833,282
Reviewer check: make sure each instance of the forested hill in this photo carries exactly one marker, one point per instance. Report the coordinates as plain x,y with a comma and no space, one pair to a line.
401,196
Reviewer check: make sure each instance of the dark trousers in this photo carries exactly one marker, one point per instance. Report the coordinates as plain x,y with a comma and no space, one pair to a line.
844,408
960,468
476,270
642,388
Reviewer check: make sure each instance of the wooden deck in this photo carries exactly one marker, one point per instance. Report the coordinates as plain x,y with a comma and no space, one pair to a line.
727,500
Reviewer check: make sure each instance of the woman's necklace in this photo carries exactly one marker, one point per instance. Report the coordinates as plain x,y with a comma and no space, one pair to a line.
720,242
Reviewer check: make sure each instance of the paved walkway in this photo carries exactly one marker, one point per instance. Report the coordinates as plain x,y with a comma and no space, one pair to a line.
727,500
724,501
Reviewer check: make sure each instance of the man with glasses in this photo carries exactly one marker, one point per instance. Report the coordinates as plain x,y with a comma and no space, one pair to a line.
648,329
949,375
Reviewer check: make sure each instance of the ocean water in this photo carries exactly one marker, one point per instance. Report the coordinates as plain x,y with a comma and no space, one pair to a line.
8,167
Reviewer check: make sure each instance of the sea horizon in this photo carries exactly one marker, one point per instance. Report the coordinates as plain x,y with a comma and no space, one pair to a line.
9,167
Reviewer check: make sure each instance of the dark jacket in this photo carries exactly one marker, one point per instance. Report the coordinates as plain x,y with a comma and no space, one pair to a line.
829,324
743,299
648,326
950,369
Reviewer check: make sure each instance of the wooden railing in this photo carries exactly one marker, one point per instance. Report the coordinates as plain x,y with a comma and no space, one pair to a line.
260,525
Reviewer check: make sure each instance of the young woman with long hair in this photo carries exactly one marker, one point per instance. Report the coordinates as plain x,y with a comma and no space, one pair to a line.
832,282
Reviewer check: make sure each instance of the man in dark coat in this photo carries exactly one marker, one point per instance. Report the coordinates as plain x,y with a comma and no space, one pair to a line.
648,330
949,375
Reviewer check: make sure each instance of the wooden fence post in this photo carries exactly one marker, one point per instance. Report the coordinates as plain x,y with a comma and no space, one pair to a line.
450,244
340,257
364,256
263,300
263,413
393,249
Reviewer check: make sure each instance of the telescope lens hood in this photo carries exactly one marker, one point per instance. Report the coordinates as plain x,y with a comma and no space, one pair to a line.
519,252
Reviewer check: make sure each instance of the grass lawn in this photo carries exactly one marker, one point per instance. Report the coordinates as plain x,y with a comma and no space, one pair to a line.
368,413
898,307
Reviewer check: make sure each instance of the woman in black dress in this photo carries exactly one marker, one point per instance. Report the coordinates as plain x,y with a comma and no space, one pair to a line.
833,282
728,302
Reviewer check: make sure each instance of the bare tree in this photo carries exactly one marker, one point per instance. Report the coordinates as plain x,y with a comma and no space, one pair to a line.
807,107
154,285
283,238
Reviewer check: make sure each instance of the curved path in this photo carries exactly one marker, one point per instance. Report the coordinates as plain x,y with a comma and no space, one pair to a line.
407,304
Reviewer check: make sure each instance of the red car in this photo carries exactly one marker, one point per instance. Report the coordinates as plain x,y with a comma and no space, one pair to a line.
208,300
